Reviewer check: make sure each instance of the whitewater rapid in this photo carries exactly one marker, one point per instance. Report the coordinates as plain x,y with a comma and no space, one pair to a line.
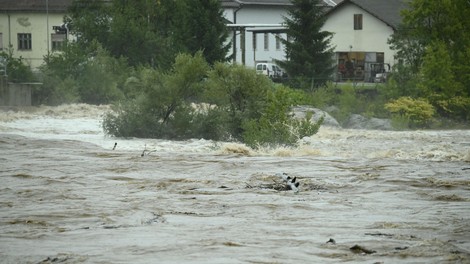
377,196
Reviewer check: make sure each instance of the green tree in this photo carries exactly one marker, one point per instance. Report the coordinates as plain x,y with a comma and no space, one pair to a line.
88,75
149,32
162,109
309,55
433,44
89,20
193,100
201,26
16,68
239,91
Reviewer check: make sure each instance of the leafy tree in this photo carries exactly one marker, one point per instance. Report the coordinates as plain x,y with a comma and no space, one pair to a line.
192,100
433,44
276,126
309,55
164,101
89,20
149,32
17,69
88,75
240,92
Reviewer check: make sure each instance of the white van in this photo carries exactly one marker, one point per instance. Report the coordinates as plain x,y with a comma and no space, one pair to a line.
269,69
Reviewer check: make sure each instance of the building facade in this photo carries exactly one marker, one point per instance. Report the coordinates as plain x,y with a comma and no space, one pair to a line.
361,31
32,29
257,27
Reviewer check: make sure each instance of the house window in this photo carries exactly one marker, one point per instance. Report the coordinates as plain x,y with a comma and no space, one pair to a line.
266,41
357,21
57,41
254,41
24,41
278,41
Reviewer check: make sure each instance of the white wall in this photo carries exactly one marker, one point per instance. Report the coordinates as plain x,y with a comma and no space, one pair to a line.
372,38
258,15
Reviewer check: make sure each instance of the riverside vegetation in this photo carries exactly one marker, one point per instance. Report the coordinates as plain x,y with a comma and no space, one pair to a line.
181,90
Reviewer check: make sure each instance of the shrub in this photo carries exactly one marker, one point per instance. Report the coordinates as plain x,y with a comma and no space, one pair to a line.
232,103
162,109
456,107
240,92
418,112
276,126
17,70
97,77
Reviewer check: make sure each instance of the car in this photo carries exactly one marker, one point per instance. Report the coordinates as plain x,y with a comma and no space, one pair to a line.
269,69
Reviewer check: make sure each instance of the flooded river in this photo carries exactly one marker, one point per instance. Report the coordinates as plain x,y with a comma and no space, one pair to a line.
364,197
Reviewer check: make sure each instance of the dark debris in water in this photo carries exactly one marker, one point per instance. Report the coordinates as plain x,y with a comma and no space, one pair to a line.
361,250
331,241
274,182
63,258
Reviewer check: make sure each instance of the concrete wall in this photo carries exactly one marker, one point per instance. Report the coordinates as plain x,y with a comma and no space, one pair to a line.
15,94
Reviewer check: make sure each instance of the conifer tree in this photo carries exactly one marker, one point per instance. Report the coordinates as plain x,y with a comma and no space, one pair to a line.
309,55
200,26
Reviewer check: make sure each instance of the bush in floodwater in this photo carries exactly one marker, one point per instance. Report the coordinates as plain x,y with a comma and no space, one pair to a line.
275,126
416,112
82,75
227,102
162,109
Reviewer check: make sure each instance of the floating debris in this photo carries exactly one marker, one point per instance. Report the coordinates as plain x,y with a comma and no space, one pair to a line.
361,250
331,241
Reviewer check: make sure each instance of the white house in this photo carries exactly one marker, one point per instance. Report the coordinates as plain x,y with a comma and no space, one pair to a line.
257,26
361,30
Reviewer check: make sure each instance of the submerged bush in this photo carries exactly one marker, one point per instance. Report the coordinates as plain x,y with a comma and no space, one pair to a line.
227,102
92,76
162,109
276,126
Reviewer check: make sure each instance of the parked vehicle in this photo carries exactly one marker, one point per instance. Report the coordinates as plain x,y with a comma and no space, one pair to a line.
269,69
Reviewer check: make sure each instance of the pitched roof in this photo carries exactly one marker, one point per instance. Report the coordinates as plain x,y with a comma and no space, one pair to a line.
231,3
387,11
34,6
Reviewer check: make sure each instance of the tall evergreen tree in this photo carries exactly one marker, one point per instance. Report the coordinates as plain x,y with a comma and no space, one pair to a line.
201,27
309,55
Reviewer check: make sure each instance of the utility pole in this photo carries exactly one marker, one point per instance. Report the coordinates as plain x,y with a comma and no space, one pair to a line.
47,25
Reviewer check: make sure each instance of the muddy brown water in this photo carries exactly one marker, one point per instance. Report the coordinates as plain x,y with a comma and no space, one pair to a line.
377,196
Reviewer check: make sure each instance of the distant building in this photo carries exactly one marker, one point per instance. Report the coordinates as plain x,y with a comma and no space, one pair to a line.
257,28
361,29
27,27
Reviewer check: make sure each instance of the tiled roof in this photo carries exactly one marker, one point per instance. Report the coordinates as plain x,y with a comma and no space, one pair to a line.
386,10
34,5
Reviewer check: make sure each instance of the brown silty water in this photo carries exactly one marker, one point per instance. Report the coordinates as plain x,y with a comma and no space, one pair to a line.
364,196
